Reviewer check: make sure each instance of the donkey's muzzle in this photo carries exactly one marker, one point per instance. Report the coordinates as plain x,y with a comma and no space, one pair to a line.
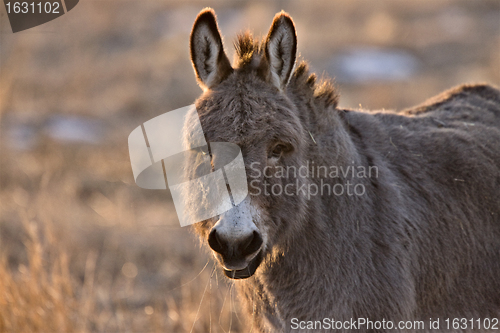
236,254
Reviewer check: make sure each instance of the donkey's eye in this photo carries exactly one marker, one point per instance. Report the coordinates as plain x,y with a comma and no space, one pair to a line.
278,150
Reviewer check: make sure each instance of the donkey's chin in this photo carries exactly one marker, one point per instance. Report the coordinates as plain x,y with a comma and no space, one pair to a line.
246,272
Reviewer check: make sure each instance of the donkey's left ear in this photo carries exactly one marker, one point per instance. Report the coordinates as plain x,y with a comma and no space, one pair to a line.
210,62
281,49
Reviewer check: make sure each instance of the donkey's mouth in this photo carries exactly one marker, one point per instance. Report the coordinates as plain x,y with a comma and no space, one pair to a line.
247,271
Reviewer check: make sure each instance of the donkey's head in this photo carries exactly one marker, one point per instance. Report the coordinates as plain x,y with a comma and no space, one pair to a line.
249,104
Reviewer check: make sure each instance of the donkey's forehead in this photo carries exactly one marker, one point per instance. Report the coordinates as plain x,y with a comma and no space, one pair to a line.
240,113
244,95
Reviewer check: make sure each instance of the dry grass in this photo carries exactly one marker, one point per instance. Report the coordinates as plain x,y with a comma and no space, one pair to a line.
104,271
44,289
42,296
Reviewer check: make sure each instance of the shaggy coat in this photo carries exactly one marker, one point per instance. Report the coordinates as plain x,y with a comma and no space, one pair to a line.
422,240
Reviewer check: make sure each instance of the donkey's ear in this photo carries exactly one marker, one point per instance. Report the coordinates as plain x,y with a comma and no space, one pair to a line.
281,49
210,63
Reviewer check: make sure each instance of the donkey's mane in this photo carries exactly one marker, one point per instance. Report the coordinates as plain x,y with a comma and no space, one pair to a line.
247,49
250,52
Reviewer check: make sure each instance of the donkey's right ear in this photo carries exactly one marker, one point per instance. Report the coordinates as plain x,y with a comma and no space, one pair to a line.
210,63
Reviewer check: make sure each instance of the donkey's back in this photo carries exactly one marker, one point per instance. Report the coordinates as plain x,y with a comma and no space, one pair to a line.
469,103
444,158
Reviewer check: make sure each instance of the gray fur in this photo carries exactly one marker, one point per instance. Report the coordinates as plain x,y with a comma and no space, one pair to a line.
422,242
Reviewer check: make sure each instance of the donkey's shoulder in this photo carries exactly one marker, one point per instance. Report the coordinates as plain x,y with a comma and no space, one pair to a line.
474,96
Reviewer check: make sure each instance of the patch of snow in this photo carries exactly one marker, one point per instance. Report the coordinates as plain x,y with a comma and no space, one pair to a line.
365,64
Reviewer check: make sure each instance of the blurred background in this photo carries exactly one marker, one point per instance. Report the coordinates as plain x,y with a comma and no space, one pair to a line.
82,248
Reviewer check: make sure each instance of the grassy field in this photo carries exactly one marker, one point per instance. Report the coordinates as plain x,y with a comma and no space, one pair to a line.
82,248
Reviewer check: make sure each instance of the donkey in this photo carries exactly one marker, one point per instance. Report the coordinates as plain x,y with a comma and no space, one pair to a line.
416,241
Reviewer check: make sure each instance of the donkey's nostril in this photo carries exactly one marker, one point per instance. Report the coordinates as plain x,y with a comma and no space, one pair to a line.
215,242
251,244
